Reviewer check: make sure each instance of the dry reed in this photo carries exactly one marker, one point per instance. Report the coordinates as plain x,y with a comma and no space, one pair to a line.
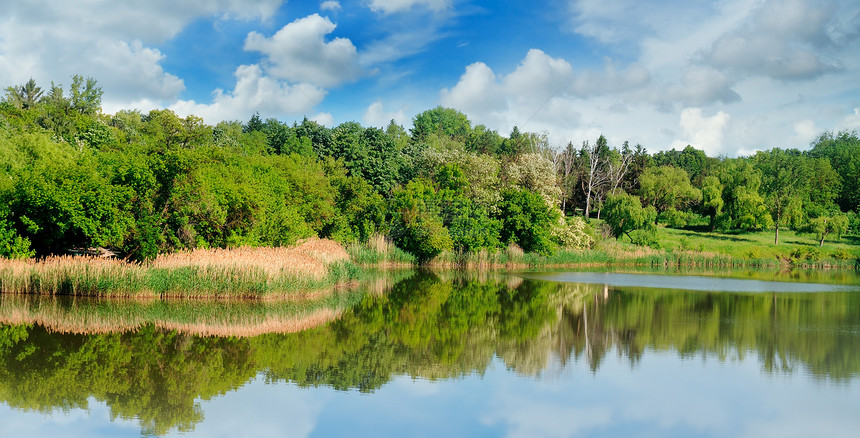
239,273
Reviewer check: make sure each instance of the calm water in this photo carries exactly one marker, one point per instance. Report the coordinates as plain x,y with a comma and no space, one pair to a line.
555,355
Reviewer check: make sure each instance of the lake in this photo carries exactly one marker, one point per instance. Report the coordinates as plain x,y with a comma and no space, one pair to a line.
552,354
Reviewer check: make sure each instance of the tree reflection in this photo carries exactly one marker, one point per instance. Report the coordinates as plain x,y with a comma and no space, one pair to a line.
433,326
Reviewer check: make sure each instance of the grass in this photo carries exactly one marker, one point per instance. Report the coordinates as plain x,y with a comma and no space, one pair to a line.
680,248
379,251
243,273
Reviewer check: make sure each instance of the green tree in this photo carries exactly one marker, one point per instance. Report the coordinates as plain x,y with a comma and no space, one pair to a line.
667,187
624,213
837,225
712,198
86,95
842,149
25,96
785,184
416,224
441,121
527,220
744,207
692,160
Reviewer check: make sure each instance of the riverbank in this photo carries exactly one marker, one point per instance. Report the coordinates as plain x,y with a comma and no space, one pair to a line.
316,266
669,248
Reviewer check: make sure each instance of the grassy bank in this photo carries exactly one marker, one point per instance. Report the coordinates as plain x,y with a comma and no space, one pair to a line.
671,248
315,265
244,273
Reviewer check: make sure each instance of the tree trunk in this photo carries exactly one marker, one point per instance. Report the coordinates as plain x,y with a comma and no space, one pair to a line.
588,203
776,227
821,243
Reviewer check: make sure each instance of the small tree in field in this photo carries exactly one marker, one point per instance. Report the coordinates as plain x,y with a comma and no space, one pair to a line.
624,213
836,225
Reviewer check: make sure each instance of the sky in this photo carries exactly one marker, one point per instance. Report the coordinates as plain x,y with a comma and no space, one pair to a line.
729,77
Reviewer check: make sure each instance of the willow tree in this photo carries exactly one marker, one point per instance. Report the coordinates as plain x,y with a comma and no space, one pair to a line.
667,187
784,183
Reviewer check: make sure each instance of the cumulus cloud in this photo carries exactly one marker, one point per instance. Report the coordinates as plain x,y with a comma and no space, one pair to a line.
110,41
375,115
299,53
324,119
254,92
392,6
476,92
542,93
703,132
538,77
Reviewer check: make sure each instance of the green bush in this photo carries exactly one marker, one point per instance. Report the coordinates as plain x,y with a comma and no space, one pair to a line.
645,237
675,218
527,221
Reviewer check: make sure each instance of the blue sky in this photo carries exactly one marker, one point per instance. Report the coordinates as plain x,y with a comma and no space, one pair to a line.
729,77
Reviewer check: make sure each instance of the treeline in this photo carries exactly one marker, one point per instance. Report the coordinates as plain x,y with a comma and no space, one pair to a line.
147,183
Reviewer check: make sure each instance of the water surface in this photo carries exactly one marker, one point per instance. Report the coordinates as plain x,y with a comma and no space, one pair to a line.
457,355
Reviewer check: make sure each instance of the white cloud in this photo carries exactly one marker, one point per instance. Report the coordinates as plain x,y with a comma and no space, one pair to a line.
324,119
477,92
787,39
698,86
392,6
330,5
703,132
538,77
254,92
545,94
611,80
110,41
375,115
806,129
299,53
852,121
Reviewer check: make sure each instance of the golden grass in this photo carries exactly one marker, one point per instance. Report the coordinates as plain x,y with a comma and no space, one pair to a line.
238,273
310,257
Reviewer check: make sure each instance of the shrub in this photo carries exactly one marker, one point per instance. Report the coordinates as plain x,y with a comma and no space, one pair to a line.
527,220
676,218
645,237
573,232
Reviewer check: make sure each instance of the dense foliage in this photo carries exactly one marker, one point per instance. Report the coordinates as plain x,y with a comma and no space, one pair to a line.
73,177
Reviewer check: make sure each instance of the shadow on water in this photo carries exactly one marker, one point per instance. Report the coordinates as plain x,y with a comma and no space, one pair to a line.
434,326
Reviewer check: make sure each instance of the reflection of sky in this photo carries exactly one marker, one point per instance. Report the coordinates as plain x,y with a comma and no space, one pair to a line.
663,395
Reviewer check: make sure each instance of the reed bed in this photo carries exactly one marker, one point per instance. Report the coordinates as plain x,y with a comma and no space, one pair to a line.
220,273
379,250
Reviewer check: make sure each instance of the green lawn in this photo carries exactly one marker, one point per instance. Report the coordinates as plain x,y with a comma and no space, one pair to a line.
759,244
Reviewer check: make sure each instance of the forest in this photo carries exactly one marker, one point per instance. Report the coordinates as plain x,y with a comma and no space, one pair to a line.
143,184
